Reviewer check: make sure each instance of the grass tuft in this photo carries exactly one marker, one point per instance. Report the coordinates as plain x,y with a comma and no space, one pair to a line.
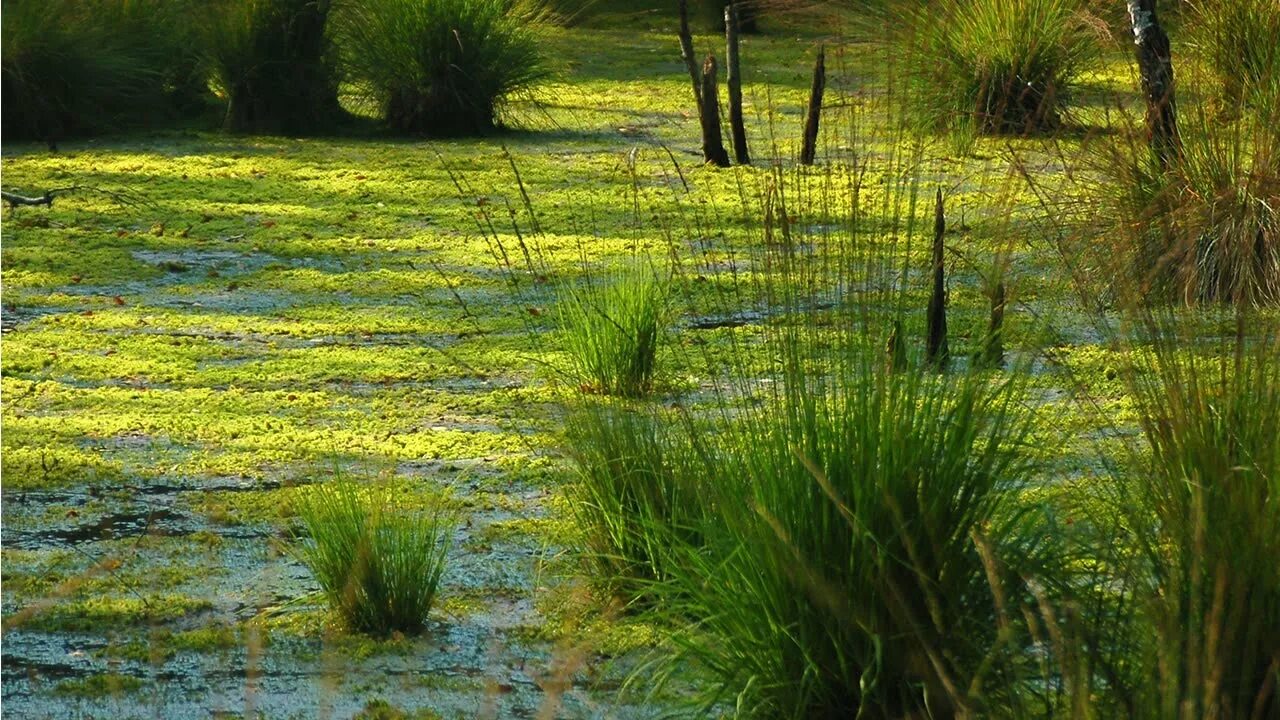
73,67
274,64
378,563
1206,502
443,67
612,328
998,66
1205,229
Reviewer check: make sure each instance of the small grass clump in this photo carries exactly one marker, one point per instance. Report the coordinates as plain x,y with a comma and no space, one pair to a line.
1204,508
443,67
998,66
1205,228
633,493
612,328
378,563
1237,39
274,64
73,67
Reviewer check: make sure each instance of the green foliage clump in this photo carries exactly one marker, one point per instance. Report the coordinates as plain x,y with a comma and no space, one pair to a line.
634,492
443,67
1239,40
1205,507
1205,227
998,66
612,329
75,67
273,61
378,563
857,572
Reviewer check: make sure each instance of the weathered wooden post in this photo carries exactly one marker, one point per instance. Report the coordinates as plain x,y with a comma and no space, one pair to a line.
733,72
992,353
712,143
686,53
895,349
936,352
1155,67
809,150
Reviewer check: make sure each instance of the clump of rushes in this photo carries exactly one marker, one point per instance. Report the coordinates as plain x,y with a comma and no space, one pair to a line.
1205,228
1237,39
612,327
74,67
997,66
377,561
273,62
634,494
1204,506
442,67
855,565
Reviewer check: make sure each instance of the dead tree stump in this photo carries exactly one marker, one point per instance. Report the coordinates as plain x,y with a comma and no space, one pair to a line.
809,150
895,349
712,142
1155,67
686,53
936,352
733,72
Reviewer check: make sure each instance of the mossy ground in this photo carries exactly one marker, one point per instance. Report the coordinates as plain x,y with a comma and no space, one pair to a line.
278,310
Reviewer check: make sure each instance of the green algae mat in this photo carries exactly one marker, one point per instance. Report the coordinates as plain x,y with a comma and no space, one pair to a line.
213,323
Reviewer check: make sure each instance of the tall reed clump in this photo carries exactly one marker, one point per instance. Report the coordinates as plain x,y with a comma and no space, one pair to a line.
1204,508
273,62
612,327
996,66
1206,227
1237,39
858,558
74,67
443,67
633,494
377,561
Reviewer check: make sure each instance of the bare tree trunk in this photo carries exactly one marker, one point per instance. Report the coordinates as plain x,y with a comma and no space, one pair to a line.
712,143
936,352
1155,66
733,71
810,148
686,52
992,354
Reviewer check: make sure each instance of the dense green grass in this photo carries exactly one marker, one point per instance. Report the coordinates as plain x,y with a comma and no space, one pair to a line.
274,63
444,67
998,66
378,563
613,327
74,68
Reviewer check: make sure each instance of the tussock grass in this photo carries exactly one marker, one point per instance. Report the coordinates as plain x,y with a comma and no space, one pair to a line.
997,66
378,562
857,557
443,67
1237,39
1205,229
75,67
274,63
612,327
1208,497
633,492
